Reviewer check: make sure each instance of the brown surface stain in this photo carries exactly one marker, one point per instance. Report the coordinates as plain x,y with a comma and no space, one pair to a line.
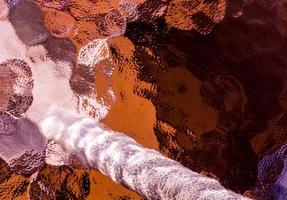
59,23
270,139
183,95
84,32
12,186
186,15
130,113
62,182
104,188
259,141
15,188
89,9
100,27
83,21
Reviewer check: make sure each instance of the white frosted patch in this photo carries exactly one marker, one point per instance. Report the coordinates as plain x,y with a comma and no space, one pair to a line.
93,107
56,154
10,45
93,52
49,91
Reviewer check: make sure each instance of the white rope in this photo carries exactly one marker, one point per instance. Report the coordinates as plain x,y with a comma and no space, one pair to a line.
126,162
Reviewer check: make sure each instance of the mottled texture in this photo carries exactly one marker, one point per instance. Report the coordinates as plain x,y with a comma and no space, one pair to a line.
203,82
199,15
16,83
59,23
